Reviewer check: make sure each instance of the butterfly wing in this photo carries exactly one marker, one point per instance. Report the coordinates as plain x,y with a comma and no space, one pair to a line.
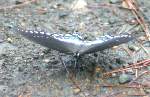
52,41
104,42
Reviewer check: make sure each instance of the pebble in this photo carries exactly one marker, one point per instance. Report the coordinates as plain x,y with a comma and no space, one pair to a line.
58,6
4,47
20,69
63,14
9,40
147,44
114,1
3,88
79,4
133,48
46,60
114,66
18,2
76,90
124,78
120,60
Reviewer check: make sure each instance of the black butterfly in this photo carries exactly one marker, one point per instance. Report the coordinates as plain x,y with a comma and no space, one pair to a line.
72,43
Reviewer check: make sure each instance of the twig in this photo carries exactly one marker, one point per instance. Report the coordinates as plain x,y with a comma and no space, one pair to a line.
127,51
145,72
123,86
115,94
145,50
18,5
135,10
138,65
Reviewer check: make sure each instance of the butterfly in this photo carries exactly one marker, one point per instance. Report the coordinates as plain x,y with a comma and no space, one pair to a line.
73,43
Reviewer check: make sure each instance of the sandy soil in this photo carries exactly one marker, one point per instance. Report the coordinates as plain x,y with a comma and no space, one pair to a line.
28,69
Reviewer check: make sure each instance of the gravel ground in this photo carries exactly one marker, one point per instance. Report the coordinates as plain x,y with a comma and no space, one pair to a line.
28,69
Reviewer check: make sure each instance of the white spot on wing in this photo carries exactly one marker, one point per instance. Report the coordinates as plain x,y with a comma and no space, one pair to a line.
108,36
42,32
31,31
36,32
48,34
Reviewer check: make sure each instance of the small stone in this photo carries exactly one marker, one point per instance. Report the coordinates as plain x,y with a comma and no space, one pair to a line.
147,91
20,69
46,60
114,74
18,2
124,78
98,69
36,67
130,71
58,5
148,68
9,40
63,14
87,94
5,47
133,47
79,6
76,90
3,88
120,61
55,62
114,66
147,44
114,1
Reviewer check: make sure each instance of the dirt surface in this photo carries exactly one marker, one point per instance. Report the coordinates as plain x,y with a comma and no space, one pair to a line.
28,69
